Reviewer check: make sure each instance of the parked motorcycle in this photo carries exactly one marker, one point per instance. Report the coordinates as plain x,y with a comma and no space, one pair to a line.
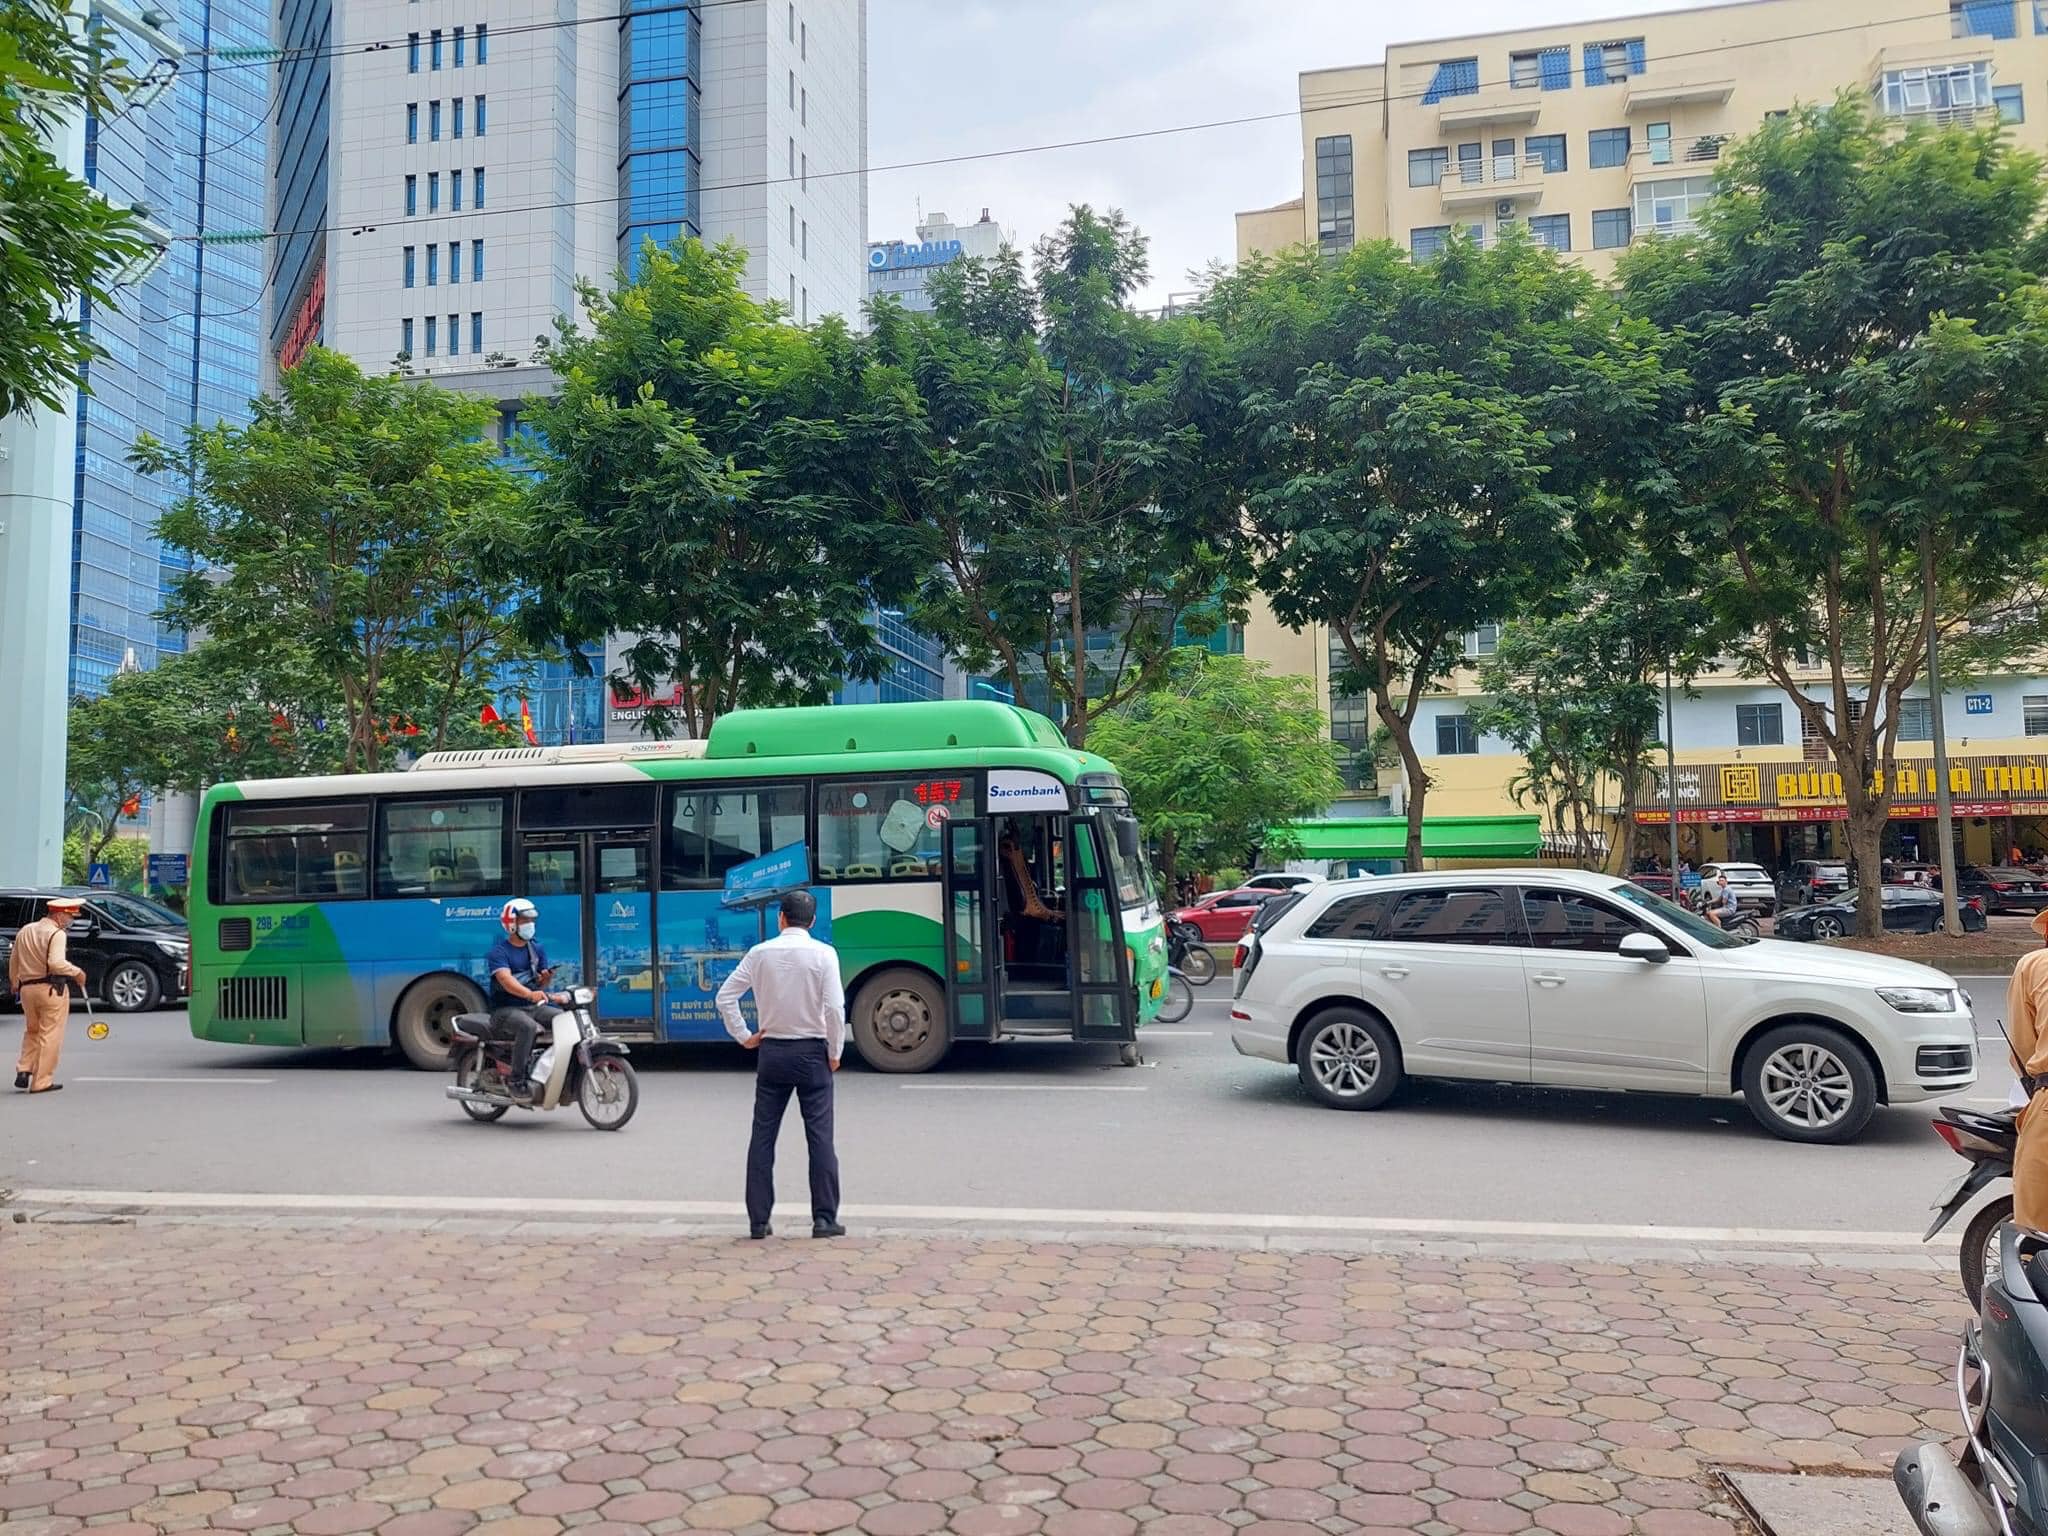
577,1062
1987,1140
1998,1486
1186,948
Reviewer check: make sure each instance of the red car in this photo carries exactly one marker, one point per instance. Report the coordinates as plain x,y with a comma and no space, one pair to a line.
1223,916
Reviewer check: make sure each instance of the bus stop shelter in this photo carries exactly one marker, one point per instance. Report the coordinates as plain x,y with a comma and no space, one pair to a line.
1383,840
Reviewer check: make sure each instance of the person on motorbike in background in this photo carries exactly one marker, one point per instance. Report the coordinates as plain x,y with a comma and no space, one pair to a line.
519,971
1723,910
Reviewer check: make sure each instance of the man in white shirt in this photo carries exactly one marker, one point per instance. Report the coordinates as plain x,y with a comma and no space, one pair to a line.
801,1004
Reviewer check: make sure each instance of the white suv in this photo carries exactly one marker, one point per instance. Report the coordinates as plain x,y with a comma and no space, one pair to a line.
1574,980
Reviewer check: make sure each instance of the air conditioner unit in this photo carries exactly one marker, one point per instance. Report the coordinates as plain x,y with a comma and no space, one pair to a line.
1504,209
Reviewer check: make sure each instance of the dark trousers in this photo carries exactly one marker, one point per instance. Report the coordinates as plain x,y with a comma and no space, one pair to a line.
522,1027
784,1067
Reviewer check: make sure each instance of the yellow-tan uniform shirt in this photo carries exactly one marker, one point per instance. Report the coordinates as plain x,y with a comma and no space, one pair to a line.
39,951
2026,1021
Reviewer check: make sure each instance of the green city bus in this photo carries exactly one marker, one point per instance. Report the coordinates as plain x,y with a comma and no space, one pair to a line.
980,878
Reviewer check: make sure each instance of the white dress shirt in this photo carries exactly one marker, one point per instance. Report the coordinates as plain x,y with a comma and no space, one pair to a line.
797,991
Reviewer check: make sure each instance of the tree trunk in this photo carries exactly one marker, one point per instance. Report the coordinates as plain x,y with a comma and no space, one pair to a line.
1169,862
1621,844
1418,784
1077,681
1867,817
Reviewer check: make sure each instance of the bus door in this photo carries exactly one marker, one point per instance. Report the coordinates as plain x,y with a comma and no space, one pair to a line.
1105,1004
974,949
594,891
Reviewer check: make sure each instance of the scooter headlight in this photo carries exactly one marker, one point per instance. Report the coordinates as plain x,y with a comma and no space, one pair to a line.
582,997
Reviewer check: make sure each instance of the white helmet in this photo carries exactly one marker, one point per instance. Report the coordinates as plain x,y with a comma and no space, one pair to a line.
516,911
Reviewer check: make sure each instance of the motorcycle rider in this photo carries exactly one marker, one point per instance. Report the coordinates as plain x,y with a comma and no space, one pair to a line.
519,972
1723,909
2026,1017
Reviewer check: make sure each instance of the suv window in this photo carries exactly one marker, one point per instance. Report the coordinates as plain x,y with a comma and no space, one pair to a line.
1249,899
1575,921
1454,915
1354,917
14,912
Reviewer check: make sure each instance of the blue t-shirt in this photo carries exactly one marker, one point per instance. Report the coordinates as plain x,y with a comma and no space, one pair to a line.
524,961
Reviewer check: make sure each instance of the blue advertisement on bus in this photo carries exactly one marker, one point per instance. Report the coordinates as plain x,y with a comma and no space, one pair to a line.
701,940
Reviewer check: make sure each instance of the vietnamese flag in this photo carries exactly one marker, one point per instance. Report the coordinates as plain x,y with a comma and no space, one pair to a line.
526,724
132,806
489,716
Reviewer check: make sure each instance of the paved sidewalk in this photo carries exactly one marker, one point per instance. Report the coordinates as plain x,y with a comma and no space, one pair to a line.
415,1382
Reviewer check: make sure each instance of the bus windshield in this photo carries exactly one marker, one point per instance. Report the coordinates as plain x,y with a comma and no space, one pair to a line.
1127,858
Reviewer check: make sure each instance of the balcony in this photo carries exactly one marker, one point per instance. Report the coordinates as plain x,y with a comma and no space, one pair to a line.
1941,84
1501,105
1661,159
1493,179
1662,88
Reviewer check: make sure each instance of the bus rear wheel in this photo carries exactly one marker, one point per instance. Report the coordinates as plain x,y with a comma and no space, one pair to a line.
899,1022
421,1030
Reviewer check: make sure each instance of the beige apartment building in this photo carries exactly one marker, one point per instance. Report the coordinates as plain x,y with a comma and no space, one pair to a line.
1591,136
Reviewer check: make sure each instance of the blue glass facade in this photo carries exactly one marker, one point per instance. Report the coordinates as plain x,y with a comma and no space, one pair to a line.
660,98
299,168
915,668
182,346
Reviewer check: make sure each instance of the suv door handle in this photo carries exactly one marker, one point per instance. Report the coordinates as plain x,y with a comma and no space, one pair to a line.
1547,979
1393,972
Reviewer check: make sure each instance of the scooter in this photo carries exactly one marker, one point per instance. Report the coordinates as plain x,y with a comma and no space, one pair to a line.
1998,1486
1988,1141
578,1063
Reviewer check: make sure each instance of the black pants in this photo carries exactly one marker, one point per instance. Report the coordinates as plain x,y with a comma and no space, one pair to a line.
785,1067
522,1025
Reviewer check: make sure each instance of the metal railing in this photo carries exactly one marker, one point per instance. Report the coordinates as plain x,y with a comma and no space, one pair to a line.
1492,171
1702,150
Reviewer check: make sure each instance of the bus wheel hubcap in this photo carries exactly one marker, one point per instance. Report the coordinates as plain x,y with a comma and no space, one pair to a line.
902,1021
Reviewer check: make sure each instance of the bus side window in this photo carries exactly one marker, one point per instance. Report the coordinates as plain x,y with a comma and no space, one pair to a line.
878,829
705,832
441,847
282,852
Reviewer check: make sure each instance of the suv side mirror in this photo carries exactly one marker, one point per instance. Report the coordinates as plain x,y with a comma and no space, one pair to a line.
1641,946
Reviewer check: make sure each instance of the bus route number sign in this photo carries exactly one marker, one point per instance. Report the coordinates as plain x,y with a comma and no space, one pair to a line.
936,792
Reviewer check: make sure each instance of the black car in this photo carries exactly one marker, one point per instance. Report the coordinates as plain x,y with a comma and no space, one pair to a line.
135,954
2002,888
1812,880
1907,909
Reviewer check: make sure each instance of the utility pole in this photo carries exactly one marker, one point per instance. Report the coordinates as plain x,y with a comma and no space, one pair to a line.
1671,776
1944,816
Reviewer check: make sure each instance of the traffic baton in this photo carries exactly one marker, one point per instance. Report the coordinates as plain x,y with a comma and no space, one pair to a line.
95,1027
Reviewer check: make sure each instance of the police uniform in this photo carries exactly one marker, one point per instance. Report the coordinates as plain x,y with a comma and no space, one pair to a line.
40,974
2026,1017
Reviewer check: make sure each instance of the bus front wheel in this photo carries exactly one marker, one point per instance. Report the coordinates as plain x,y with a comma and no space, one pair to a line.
421,1030
899,1022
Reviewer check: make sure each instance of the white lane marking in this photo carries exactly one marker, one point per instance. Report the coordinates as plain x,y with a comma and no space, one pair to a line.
1190,1221
1019,1088
1173,1034
225,1082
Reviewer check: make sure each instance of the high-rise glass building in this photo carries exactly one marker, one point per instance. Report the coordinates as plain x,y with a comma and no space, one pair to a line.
182,346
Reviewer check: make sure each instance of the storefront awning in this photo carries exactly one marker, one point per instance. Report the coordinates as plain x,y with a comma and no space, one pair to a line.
1443,837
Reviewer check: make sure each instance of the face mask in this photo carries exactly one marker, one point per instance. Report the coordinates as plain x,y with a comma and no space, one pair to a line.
524,930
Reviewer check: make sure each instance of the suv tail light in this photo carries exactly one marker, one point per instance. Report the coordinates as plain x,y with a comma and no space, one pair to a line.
1237,960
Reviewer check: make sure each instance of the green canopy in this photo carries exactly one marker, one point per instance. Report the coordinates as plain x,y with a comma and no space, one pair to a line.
1443,837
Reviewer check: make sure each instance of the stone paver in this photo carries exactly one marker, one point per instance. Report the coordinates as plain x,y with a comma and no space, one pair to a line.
415,1382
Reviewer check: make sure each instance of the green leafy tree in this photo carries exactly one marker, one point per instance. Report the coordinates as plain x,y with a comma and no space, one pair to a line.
708,485
355,549
1066,462
1219,757
1574,689
1867,344
59,239
1433,440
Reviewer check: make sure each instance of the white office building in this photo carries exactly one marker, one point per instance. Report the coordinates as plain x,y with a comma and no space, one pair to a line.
461,164
902,269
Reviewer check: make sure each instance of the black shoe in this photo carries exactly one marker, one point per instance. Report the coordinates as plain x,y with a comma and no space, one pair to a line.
21,1079
763,1230
827,1229
51,1089
522,1089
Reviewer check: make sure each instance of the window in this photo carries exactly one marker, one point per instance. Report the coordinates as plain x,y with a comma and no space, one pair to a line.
1428,241
1916,720
441,847
433,191
1483,641
2034,714
1525,70
1455,737
458,47
432,332
434,48
277,852
803,41
1981,18
792,20
412,123
454,261
707,832
1607,147
1941,92
405,337
2011,103
1355,917
483,41
1759,725
455,190
412,196
1549,148
1658,136
586,805
433,122
1454,77
1610,228
1467,915
1608,62
1570,920
412,53
479,173
875,829
792,90
803,112
1426,167
479,117
410,255
792,223
2040,18
1552,229
455,118
807,173
455,335
476,330
792,155
804,315
1672,207
1336,217
807,240
476,261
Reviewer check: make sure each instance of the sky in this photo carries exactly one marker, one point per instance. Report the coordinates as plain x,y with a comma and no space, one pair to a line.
962,77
